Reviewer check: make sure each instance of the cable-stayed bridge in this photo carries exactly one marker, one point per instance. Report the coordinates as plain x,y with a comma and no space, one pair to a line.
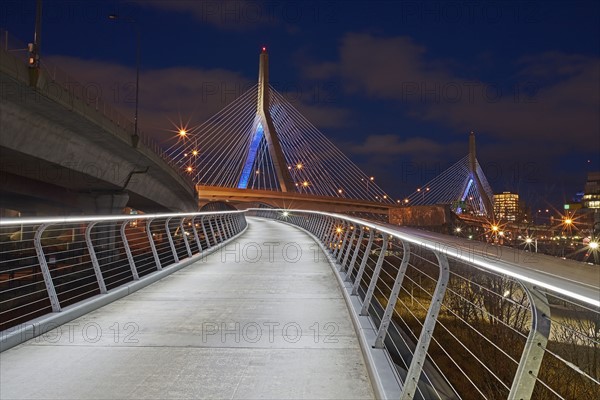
463,185
260,148
284,303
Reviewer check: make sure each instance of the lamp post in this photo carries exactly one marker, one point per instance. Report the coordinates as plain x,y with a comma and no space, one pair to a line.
529,241
135,138
33,59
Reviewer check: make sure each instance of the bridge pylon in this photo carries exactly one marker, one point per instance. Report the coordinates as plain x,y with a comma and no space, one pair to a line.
463,185
474,178
264,126
260,144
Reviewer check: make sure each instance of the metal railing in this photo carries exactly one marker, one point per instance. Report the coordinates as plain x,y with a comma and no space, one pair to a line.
458,324
453,325
51,263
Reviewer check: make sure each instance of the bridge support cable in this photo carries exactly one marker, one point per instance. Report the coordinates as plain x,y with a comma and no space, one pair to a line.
496,334
325,163
70,255
260,141
463,185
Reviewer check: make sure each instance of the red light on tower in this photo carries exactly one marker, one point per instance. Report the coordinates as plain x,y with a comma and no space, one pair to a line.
264,49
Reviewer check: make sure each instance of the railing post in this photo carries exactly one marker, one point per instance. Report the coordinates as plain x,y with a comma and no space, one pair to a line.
537,340
313,224
375,276
212,231
132,266
331,234
326,230
93,258
185,238
418,359
229,225
215,227
347,252
363,263
204,232
235,225
39,250
170,238
241,221
219,227
225,224
320,221
152,245
343,246
196,237
391,305
355,255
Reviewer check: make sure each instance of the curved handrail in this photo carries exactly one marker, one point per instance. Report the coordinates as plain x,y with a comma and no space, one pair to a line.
474,307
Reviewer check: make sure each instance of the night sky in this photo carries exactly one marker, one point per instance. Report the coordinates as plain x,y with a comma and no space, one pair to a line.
396,85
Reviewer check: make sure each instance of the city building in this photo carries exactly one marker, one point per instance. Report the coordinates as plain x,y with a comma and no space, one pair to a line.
506,206
591,196
524,213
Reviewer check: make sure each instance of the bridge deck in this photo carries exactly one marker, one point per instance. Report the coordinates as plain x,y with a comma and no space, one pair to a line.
216,329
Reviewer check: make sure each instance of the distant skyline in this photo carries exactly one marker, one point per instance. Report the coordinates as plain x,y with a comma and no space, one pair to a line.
397,86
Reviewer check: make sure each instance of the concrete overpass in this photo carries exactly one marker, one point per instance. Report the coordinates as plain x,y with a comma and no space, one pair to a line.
59,152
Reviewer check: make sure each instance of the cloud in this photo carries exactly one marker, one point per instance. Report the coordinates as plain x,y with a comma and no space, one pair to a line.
552,98
530,123
170,95
319,107
294,17
320,71
165,94
223,14
393,145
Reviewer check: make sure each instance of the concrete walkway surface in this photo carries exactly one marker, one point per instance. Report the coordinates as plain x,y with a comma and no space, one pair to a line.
261,318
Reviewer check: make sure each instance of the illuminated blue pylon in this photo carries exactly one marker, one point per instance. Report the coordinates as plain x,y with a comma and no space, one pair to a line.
463,185
262,142
265,128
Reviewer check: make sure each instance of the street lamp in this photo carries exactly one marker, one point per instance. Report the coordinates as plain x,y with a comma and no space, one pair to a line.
529,241
135,138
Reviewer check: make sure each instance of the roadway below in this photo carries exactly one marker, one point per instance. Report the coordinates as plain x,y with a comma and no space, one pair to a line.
261,318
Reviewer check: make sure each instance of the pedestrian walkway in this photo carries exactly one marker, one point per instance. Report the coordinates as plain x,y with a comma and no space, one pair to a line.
261,318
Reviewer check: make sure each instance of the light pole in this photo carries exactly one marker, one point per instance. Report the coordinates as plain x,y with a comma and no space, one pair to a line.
33,60
135,138
529,241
